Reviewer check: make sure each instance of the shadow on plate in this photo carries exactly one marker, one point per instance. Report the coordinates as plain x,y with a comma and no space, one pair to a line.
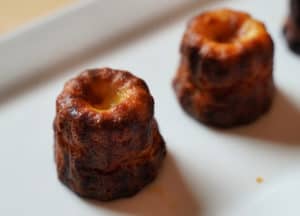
168,195
281,125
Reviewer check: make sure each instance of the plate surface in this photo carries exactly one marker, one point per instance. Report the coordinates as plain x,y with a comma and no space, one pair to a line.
207,172
281,197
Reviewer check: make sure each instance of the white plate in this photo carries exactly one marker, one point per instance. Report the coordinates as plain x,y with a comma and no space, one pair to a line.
279,198
207,171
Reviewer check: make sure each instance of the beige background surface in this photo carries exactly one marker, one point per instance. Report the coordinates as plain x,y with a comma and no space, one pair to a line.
14,13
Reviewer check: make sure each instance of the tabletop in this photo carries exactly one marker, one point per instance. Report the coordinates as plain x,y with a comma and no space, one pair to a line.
14,13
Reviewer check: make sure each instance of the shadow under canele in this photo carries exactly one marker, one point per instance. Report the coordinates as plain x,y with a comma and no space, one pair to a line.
168,195
280,126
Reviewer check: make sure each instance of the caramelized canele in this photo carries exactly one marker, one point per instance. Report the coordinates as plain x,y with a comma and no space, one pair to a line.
107,142
225,73
292,26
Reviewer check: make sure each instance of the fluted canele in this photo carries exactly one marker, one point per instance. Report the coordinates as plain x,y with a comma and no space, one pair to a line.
225,77
107,142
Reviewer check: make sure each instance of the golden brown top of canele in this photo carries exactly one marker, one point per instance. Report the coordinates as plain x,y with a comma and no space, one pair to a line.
107,95
224,29
225,46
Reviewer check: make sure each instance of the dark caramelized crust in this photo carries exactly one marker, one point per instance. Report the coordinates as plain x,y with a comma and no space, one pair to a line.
295,10
292,26
107,143
224,107
225,74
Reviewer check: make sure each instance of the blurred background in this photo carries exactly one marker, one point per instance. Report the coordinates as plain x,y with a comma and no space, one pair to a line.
14,13
38,37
